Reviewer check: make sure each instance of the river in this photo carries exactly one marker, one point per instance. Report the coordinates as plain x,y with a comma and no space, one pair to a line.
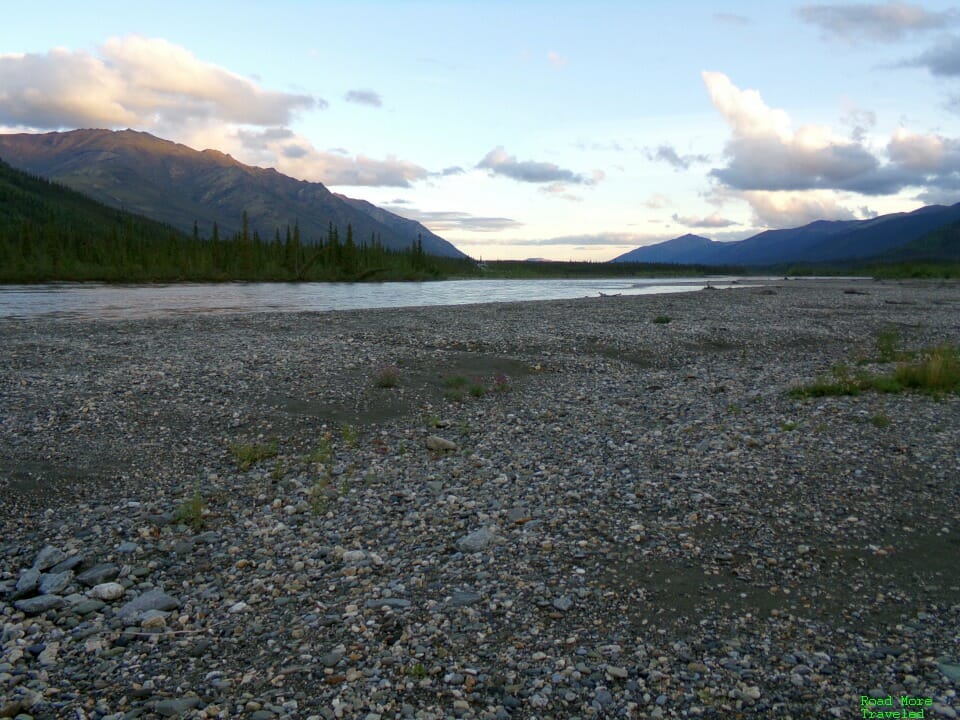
73,301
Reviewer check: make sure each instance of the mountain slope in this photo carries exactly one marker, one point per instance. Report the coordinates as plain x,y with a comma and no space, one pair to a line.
31,208
818,242
175,184
686,249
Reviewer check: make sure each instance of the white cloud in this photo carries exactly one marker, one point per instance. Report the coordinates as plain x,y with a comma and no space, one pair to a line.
153,85
714,220
134,81
294,155
764,153
793,209
556,59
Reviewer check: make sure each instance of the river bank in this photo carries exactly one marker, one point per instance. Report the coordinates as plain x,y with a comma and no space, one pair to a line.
635,518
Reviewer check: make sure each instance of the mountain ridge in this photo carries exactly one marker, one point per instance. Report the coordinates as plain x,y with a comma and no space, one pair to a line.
820,241
178,185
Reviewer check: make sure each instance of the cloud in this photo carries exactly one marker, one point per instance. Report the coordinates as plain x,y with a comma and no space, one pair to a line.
613,239
134,81
153,85
560,190
942,59
364,97
556,59
793,209
452,220
764,153
874,22
657,201
294,155
499,162
713,220
732,19
667,154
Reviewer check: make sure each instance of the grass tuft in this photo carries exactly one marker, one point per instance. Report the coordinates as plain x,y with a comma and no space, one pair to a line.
387,376
191,510
934,371
246,454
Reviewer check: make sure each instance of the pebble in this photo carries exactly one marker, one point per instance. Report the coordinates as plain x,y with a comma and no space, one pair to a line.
644,524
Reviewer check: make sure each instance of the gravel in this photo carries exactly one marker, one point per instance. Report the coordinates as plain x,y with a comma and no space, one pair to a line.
562,510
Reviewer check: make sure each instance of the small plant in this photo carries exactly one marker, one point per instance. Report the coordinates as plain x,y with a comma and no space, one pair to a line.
191,510
887,342
417,671
432,421
788,426
387,377
501,383
454,394
318,497
662,319
246,454
880,420
349,434
477,389
277,472
323,452
455,381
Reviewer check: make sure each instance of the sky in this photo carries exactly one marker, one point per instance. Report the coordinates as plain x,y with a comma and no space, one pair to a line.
525,129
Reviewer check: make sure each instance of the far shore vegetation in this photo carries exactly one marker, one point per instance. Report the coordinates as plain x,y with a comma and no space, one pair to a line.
49,233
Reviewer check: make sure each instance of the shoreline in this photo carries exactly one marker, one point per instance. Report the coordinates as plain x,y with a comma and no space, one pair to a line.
635,519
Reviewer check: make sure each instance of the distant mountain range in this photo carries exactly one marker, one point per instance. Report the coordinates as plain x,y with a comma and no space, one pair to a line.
930,233
177,185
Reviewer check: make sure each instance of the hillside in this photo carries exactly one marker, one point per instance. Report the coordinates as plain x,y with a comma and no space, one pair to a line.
823,241
177,185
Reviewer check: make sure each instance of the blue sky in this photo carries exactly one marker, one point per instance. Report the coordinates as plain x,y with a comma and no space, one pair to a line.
564,130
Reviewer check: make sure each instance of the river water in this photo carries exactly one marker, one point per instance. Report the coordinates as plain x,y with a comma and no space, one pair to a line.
115,302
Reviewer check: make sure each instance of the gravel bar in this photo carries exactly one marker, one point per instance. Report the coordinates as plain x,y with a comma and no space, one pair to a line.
597,508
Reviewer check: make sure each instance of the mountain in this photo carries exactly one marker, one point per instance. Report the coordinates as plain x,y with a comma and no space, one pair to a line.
686,249
175,184
33,208
823,241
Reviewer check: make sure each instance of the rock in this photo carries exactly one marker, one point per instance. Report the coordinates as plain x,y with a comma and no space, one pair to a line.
461,598
39,604
69,564
390,602
477,540
98,574
952,671
354,557
53,583
85,607
562,603
154,599
617,672
49,654
435,442
48,557
26,584
173,707
107,591
331,658
153,619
